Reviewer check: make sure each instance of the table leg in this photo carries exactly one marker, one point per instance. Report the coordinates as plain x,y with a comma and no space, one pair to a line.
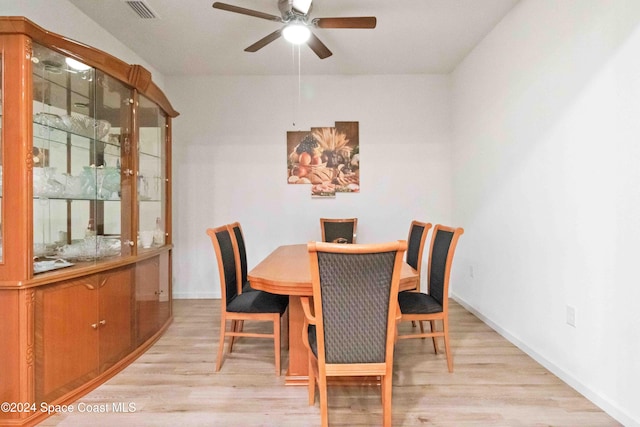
298,370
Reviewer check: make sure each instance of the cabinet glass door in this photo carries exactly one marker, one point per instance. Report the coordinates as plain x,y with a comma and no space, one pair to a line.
81,129
152,174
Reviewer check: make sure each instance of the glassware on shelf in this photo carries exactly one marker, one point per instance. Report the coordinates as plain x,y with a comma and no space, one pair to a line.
146,238
143,188
50,120
100,182
45,184
90,248
91,229
73,186
158,234
79,124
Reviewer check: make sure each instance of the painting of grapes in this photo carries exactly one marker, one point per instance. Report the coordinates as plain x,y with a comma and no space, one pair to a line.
327,158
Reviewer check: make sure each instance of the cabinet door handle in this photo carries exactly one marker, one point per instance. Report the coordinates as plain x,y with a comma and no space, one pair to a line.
100,323
89,286
103,282
127,172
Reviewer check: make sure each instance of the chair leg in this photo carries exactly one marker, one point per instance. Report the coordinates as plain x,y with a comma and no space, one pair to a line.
311,387
422,327
386,384
435,339
234,328
324,404
276,341
447,347
223,328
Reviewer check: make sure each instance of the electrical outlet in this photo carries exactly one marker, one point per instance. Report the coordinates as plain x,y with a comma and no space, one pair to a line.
571,316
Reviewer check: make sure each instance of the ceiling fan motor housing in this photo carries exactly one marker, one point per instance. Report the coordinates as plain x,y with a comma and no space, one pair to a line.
290,9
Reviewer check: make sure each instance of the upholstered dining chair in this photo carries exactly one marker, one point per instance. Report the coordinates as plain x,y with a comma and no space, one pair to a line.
240,306
338,230
350,330
434,305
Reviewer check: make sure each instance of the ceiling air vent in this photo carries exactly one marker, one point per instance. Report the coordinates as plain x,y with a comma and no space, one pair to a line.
141,9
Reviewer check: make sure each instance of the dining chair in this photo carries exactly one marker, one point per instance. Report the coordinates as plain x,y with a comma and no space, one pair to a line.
350,330
434,305
240,306
338,230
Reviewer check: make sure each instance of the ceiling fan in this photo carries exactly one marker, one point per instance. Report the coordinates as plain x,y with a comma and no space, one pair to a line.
296,20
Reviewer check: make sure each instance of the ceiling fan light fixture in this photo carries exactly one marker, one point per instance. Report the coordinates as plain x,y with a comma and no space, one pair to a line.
296,33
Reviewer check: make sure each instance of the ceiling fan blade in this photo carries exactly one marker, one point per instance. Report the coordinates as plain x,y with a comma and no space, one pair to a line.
318,47
242,10
264,41
354,22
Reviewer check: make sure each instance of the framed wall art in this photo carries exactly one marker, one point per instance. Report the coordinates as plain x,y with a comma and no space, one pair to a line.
326,158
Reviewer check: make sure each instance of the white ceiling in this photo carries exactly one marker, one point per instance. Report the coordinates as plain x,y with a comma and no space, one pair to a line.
191,38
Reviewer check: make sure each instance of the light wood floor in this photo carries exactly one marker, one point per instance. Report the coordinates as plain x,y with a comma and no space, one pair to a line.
494,384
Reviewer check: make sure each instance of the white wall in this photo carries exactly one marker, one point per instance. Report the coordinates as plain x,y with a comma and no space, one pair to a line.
547,184
545,175
230,162
62,17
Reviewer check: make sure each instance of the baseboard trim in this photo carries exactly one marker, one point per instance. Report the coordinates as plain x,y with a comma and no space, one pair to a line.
196,295
597,399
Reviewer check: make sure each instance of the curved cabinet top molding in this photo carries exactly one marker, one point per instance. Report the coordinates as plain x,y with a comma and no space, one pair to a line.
135,75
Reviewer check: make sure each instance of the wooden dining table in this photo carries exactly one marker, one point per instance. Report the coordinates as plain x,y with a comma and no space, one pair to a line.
286,271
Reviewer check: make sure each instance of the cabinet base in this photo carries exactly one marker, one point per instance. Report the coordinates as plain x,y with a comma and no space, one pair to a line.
76,394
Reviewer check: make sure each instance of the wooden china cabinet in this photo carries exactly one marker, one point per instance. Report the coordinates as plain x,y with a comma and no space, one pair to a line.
85,218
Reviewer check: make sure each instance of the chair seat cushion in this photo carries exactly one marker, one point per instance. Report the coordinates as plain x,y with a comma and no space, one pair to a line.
258,302
418,303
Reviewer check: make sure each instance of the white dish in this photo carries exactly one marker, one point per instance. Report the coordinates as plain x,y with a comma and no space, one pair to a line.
42,266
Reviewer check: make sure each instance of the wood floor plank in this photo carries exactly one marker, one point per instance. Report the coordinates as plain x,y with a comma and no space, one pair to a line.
494,384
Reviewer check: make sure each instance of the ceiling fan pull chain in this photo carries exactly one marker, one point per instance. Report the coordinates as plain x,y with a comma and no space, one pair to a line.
299,80
296,100
294,107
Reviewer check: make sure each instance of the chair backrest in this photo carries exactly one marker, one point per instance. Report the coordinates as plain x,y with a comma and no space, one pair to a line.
443,246
224,248
241,262
415,243
338,230
355,291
